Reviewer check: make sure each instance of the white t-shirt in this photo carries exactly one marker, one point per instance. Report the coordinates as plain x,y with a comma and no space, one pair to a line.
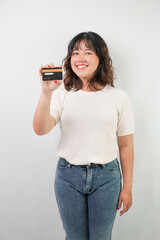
90,123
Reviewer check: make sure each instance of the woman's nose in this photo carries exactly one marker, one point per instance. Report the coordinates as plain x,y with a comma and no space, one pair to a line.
81,58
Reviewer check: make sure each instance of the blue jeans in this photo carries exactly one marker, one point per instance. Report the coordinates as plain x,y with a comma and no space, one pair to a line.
87,198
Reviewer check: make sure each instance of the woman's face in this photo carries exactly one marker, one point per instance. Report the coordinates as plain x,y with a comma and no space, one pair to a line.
84,62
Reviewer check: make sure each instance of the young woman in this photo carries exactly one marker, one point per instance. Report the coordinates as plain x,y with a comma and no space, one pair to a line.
96,123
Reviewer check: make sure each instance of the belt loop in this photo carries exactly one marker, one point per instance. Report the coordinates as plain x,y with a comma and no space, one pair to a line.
69,165
103,166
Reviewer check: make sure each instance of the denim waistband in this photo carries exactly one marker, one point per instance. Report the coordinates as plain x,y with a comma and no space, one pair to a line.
93,165
90,164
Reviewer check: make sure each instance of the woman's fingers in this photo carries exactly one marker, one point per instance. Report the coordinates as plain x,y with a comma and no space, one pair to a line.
125,208
125,198
119,204
51,65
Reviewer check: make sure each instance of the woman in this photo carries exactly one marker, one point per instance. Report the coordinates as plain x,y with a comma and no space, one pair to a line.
96,121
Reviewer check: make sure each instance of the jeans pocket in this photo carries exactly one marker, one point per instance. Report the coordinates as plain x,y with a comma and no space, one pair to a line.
62,163
112,166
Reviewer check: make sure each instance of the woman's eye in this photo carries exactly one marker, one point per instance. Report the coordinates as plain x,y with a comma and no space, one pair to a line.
75,53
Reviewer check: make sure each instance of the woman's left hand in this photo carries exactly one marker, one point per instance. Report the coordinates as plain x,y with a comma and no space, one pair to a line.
126,198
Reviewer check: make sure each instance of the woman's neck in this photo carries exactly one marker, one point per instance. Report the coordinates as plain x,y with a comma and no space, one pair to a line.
87,89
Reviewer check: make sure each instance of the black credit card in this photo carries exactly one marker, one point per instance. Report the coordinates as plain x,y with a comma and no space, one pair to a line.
49,74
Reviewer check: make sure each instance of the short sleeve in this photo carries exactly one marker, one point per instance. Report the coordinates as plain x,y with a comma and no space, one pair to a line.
56,106
125,124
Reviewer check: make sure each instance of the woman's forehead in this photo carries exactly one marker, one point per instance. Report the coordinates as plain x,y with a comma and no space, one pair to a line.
83,44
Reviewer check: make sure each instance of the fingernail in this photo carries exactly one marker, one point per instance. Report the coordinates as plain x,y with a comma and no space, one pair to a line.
55,81
118,208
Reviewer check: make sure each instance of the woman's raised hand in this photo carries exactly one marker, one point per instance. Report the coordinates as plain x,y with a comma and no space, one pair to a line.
49,86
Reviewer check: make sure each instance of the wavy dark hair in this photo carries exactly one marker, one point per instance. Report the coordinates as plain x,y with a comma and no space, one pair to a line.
104,73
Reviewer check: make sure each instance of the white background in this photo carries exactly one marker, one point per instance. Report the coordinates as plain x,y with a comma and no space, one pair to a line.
34,33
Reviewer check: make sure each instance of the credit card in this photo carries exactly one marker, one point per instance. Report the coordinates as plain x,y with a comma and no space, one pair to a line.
49,74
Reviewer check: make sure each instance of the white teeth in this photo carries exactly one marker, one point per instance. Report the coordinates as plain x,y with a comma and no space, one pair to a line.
81,66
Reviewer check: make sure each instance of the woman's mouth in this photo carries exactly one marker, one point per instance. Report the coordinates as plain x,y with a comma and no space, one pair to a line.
82,66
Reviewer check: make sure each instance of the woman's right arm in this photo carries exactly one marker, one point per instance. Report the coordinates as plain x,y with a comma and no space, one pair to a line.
43,122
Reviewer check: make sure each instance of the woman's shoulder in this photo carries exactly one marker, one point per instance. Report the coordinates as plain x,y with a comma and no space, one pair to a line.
116,91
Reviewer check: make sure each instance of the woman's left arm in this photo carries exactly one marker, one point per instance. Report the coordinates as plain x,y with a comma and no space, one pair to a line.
126,150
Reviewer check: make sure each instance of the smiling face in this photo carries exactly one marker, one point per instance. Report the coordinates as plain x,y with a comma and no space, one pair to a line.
84,62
